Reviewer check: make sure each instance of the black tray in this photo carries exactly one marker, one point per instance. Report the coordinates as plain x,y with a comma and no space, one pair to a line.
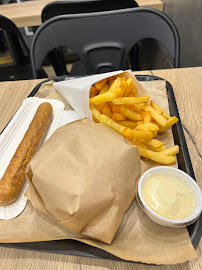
72,247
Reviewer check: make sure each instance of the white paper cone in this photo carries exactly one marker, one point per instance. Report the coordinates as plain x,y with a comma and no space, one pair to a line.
76,91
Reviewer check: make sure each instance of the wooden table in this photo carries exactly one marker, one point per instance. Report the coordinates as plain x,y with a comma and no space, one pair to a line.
29,13
188,90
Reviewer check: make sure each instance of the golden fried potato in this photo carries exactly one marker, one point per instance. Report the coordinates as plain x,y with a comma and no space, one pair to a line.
170,122
134,134
148,126
130,100
172,151
147,117
127,123
110,123
167,160
152,142
106,97
114,102
154,113
106,110
130,114
157,107
100,84
104,89
118,117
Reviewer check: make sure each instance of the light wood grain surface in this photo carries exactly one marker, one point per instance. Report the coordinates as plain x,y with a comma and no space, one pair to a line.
188,89
29,13
188,93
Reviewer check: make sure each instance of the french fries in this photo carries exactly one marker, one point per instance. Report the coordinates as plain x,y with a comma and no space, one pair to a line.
118,117
163,159
93,90
134,108
157,107
170,122
152,142
110,123
100,84
114,102
104,89
95,112
132,133
106,110
129,124
128,89
157,149
172,151
148,126
106,97
154,113
130,100
147,117
130,114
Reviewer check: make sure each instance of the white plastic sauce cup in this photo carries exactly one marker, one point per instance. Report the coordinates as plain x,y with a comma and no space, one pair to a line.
180,175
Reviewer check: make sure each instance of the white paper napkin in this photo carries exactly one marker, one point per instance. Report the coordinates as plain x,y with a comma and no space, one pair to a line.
67,117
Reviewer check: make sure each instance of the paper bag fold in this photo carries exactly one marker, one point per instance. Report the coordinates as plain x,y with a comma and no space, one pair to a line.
85,176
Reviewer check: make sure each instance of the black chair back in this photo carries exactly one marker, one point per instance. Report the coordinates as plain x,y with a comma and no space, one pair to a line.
103,39
53,9
15,38
83,6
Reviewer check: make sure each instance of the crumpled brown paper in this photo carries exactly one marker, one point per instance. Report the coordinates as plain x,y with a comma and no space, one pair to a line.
137,239
85,176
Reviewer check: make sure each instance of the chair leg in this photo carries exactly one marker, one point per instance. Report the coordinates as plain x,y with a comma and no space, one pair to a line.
56,59
134,58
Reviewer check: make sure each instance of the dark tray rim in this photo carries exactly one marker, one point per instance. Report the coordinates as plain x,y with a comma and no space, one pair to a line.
195,228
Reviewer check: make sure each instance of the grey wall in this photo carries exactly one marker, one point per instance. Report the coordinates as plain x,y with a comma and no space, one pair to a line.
187,16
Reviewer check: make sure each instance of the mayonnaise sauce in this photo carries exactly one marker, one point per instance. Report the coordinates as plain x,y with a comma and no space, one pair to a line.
168,196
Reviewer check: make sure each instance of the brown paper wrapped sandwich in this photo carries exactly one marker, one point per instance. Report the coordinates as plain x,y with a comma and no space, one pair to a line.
85,176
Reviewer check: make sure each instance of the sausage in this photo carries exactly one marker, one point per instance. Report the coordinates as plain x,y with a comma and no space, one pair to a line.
13,179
